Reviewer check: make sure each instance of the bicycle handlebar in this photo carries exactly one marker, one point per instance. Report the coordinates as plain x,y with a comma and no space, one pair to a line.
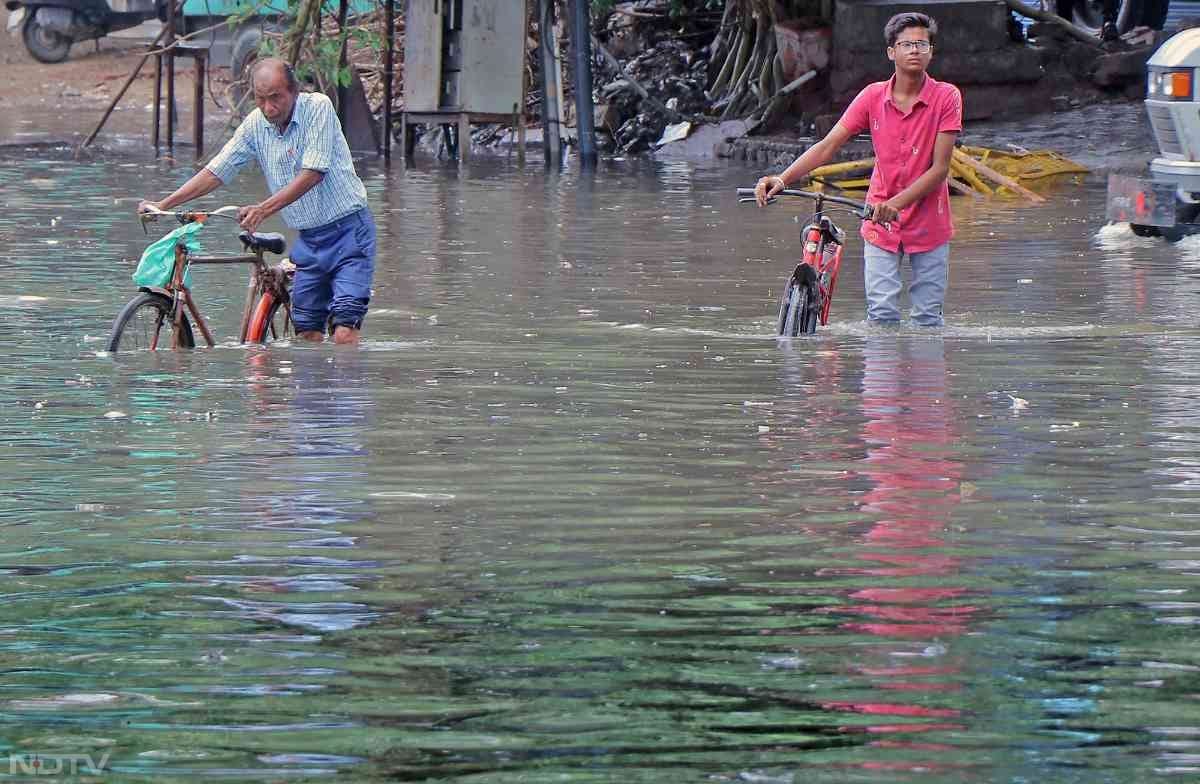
187,216
862,210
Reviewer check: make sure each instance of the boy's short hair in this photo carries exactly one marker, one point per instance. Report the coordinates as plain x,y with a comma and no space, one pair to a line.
905,20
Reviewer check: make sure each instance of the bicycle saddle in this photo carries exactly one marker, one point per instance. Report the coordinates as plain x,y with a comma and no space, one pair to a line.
271,242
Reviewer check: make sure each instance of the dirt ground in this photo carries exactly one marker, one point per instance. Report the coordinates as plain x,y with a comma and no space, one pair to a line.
64,102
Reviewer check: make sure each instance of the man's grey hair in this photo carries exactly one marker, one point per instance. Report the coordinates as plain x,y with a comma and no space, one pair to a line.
902,21
276,62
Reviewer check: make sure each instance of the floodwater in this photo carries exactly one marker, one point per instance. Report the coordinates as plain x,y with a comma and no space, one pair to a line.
571,513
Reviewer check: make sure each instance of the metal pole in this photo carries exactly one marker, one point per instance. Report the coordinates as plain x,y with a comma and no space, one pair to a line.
390,21
585,114
520,110
170,55
551,88
198,96
342,90
158,76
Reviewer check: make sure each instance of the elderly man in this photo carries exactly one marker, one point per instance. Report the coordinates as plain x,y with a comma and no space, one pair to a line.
298,143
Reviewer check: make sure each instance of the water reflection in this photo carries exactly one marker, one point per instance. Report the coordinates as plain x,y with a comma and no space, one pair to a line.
915,600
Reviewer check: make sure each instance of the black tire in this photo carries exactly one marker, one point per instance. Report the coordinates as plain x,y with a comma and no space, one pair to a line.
46,46
788,323
811,310
1089,14
146,316
245,51
1154,13
798,310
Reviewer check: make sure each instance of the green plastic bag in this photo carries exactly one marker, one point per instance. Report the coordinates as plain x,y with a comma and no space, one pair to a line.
158,260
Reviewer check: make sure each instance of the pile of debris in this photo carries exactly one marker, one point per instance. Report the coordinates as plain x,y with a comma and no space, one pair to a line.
663,85
650,70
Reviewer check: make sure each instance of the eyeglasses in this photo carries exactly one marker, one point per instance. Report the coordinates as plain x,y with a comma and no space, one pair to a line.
912,46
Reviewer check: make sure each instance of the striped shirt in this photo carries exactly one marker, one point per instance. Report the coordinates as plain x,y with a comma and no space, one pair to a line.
313,140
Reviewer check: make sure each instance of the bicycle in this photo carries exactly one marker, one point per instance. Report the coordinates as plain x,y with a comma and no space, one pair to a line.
156,311
809,291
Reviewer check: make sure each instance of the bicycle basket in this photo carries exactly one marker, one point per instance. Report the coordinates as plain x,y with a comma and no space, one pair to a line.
158,259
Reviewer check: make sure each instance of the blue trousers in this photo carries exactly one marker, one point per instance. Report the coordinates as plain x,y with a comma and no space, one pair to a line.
930,276
335,265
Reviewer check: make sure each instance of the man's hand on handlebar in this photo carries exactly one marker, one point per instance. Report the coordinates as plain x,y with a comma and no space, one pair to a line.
251,216
768,188
148,207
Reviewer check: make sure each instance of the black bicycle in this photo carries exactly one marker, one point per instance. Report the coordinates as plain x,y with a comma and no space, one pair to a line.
809,291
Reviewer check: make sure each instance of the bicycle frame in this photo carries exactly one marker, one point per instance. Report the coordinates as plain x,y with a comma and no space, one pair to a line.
823,243
263,278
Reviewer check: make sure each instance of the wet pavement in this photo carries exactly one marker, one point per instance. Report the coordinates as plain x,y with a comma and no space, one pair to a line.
64,102
1104,137
571,512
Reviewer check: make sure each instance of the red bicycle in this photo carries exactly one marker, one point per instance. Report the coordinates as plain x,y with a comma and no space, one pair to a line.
809,291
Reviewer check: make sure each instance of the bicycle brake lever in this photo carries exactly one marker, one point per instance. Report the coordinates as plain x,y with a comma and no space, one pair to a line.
751,199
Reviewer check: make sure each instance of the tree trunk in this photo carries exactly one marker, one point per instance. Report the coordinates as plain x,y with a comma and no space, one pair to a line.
750,71
295,33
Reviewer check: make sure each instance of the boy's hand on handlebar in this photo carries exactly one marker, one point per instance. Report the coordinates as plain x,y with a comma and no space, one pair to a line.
148,208
884,212
768,188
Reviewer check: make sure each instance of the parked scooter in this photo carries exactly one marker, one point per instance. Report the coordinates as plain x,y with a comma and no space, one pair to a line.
49,27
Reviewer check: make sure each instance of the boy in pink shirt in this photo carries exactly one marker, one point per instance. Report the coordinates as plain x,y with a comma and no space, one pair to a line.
913,120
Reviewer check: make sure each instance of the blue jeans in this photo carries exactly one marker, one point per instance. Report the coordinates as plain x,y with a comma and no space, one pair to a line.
335,264
930,275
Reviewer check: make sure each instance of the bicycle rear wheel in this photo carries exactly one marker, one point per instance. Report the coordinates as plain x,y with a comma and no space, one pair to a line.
269,321
799,306
145,323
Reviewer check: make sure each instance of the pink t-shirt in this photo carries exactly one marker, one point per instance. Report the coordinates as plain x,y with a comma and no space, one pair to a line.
903,152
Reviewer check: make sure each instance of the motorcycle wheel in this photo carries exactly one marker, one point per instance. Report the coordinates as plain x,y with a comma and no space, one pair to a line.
245,51
46,46
1088,15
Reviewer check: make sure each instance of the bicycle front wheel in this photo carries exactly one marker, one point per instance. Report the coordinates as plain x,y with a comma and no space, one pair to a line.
799,306
269,321
146,324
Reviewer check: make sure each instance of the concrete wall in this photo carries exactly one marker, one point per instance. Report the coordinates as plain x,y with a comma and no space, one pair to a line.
973,50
